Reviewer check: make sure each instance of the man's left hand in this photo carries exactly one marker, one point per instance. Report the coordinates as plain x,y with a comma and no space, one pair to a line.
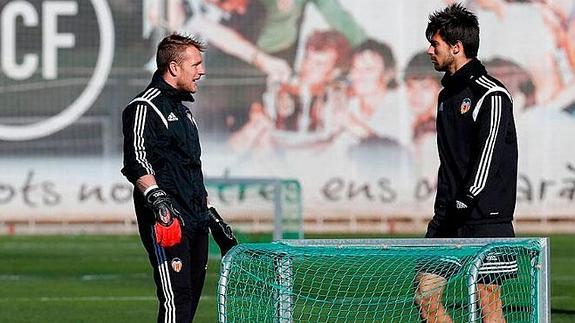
221,231
463,206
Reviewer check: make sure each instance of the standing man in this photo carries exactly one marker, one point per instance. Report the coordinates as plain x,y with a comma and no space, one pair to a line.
162,160
477,177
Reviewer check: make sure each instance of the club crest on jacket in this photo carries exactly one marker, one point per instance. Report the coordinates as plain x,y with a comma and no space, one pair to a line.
465,105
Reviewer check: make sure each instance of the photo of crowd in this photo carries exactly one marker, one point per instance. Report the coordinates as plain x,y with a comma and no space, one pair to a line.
346,88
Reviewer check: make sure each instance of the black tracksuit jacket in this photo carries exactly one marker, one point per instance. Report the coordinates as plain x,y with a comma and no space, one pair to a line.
477,145
161,139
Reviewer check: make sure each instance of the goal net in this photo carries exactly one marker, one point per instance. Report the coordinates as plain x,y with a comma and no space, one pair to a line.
377,280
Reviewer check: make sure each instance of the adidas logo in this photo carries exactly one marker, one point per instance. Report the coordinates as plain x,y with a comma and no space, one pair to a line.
172,117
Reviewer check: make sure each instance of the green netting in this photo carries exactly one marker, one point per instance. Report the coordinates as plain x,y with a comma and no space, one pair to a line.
259,204
277,282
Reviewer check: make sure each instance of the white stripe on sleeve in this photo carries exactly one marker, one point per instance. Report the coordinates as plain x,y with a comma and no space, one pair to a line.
139,146
487,154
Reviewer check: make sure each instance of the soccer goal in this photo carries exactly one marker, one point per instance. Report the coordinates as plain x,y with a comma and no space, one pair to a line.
376,280
259,204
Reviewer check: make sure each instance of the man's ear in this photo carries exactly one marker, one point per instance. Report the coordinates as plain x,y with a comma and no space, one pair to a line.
457,48
174,68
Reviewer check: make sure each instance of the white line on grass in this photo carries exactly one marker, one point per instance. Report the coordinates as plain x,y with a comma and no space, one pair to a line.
91,277
112,276
85,299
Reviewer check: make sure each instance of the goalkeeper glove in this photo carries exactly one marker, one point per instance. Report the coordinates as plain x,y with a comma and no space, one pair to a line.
221,231
167,229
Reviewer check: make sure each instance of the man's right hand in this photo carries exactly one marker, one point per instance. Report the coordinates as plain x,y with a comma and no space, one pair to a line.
161,204
167,228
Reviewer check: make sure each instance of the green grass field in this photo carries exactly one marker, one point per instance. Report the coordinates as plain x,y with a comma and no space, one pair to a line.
108,279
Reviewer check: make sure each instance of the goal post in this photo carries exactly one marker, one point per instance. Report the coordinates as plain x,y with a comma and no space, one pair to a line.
259,204
374,280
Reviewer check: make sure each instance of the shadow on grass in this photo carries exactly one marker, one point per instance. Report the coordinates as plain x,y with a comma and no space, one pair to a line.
562,311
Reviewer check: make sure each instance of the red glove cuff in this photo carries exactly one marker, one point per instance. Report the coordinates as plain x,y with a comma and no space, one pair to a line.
170,235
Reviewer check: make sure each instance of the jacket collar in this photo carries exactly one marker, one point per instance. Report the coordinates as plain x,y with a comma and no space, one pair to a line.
159,83
464,76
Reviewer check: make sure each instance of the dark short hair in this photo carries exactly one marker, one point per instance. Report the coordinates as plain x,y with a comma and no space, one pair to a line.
420,67
331,39
455,23
386,54
172,48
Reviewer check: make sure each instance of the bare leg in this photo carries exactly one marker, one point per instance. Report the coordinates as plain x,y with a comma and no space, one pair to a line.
491,305
428,298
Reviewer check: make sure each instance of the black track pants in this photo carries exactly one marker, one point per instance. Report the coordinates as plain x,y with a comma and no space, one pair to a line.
179,272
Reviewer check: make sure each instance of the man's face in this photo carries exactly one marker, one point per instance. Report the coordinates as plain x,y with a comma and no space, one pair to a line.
318,66
440,54
422,94
367,72
190,69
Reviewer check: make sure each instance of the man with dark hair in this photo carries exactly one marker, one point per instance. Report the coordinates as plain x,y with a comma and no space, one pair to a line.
477,177
162,160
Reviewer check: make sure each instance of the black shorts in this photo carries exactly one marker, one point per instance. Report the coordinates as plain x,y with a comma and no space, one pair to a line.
493,230
497,266
446,229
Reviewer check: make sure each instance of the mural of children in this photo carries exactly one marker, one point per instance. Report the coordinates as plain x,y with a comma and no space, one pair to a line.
369,125
301,104
295,111
531,45
531,118
373,107
559,16
206,19
517,80
254,135
422,85
268,39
